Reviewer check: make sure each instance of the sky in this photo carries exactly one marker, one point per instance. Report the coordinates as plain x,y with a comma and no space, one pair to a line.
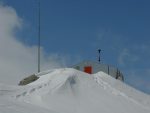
73,31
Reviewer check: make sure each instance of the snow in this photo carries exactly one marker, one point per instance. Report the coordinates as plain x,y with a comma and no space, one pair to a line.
70,91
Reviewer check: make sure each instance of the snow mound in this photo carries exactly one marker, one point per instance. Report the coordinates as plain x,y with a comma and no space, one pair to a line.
70,91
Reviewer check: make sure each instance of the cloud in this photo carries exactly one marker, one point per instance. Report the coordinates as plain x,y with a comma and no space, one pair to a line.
139,79
129,55
110,41
18,60
136,70
126,57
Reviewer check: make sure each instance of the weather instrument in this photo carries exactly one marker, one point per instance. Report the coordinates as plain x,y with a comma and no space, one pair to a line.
99,55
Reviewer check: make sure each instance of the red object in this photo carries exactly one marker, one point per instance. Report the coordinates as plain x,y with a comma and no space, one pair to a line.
88,69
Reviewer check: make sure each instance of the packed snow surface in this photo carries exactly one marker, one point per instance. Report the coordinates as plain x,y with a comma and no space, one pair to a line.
70,91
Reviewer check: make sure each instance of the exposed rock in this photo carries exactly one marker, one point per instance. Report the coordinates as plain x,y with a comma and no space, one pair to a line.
28,80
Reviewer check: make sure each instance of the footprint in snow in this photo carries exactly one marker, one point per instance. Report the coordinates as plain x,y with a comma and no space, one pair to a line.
24,93
32,90
45,84
39,87
17,96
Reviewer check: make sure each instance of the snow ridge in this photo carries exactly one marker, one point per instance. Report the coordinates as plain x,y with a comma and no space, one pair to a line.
70,91
100,79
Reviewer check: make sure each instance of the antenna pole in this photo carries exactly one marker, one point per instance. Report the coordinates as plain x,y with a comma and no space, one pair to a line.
39,35
99,57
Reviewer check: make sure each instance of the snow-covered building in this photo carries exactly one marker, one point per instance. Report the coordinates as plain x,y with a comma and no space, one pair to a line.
94,67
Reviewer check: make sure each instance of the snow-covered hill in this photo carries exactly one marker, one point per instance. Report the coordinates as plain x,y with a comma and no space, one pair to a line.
71,91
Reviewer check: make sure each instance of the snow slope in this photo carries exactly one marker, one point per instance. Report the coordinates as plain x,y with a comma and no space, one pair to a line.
70,91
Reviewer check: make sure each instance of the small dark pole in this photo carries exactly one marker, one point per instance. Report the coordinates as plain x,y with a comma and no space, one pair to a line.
99,57
117,74
39,35
108,69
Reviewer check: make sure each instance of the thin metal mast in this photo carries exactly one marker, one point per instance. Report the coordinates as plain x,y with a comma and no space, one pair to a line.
39,35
